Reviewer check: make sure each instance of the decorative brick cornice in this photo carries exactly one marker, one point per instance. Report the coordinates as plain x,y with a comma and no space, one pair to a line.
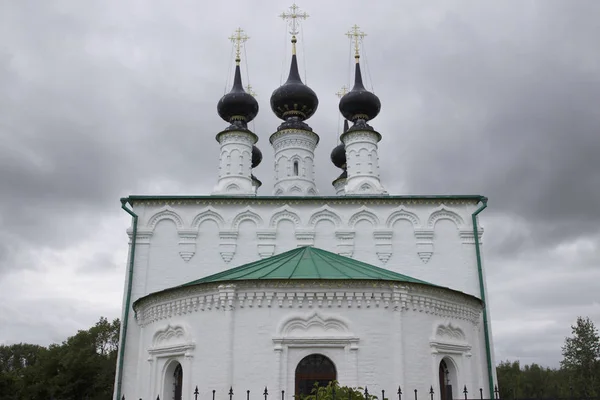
290,138
278,201
309,295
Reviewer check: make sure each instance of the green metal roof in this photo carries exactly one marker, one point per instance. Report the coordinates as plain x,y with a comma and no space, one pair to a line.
306,263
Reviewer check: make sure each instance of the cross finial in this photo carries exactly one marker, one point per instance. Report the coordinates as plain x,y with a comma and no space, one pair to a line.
342,91
238,38
250,91
356,35
292,18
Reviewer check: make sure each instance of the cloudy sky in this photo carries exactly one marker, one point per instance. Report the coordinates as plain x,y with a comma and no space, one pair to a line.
102,99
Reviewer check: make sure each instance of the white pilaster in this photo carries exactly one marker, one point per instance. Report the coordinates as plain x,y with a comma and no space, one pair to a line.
362,162
235,163
294,162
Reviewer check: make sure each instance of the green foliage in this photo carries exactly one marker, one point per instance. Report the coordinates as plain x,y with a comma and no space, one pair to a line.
581,357
82,367
578,377
341,393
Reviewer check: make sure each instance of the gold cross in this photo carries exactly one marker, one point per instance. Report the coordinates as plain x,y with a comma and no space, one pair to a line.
292,18
342,92
356,36
250,91
238,38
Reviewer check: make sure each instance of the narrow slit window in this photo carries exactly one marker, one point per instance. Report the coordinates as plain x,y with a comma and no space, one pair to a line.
295,168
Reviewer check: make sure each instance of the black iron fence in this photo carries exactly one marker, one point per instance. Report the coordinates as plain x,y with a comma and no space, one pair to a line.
399,394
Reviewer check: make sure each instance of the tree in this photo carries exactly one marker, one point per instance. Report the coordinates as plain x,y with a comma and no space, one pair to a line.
581,357
82,367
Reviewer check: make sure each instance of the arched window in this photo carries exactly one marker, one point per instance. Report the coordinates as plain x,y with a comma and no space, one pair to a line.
296,168
312,369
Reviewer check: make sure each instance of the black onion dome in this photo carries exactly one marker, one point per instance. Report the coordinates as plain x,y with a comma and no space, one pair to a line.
256,156
359,103
294,98
237,105
338,156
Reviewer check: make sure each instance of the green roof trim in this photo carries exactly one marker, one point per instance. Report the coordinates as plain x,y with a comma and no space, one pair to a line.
306,263
474,197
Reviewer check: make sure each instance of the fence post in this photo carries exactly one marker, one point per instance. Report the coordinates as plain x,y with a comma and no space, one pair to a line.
399,393
213,394
415,394
247,395
383,395
266,393
231,393
196,393
465,391
431,392
496,392
366,393
481,393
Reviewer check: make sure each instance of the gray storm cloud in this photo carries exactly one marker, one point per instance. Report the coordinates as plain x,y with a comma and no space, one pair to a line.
106,99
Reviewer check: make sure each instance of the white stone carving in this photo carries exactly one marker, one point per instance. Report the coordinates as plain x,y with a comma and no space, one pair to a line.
208,213
266,242
383,244
305,237
187,243
467,236
345,246
449,332
313,324
165,213
284,213
364,213
325,213
442,212
246,214
228,244
143,235
401,213
449,339
424,243
171,339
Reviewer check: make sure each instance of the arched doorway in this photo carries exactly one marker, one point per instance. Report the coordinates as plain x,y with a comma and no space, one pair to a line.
447,378
177,382
173,382
311,369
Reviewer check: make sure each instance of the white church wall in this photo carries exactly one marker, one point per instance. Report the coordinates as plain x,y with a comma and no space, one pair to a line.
251,337
429,239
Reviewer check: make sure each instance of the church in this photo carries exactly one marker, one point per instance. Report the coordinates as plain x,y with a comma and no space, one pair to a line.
239,291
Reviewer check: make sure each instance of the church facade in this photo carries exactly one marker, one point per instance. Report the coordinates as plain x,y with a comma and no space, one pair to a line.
236,290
